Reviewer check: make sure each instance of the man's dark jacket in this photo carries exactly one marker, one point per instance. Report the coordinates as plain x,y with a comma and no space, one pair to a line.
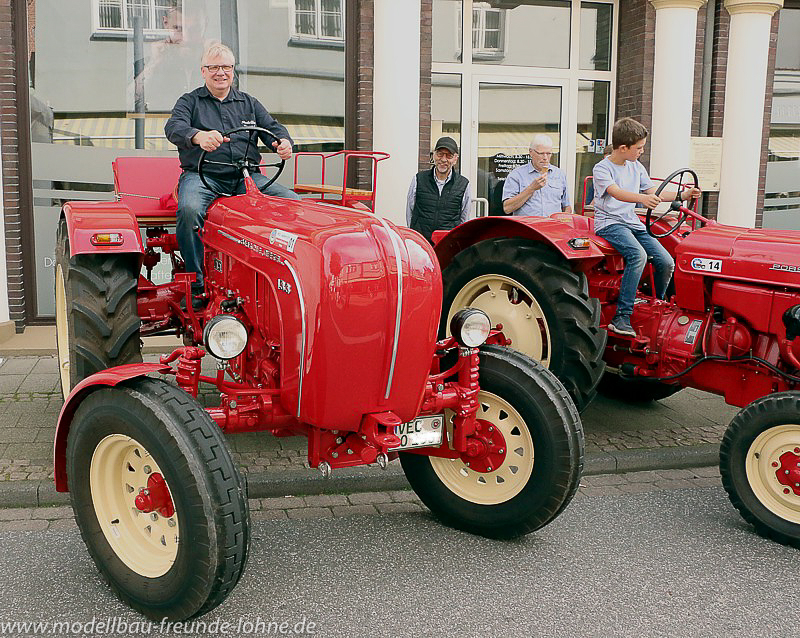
200,111
437,212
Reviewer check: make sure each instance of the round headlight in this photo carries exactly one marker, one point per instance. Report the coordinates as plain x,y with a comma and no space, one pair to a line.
470,327
225,337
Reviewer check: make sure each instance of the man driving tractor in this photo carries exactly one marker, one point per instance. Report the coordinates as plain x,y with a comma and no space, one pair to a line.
195,126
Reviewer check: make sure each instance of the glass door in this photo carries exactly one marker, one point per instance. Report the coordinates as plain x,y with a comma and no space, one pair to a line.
507,114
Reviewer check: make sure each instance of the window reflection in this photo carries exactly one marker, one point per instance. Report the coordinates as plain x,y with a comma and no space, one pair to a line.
83,92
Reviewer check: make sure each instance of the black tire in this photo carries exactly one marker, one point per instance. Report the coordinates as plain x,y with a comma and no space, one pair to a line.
547,425
757,438
196,570
628,390
97,323
566,317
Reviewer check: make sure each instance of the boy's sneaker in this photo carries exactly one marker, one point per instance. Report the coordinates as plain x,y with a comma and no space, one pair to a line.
622,326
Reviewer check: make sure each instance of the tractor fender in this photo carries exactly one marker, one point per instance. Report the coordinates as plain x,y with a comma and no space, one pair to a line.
102,379
85,219
555,231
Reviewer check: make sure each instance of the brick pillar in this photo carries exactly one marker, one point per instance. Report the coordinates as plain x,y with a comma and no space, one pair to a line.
635,64
425,59
16,173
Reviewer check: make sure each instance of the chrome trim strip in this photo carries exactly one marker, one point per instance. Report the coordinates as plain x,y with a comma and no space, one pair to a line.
303,333
392,235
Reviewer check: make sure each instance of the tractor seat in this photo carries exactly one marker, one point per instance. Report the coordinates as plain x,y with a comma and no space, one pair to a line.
148,186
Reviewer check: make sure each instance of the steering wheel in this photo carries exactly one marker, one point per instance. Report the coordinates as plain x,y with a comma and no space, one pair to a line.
242,164
675,206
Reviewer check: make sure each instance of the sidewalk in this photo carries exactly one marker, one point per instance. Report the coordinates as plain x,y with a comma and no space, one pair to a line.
681,431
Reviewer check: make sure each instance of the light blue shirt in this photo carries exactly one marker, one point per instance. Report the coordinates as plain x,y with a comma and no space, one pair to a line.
608,210
553,198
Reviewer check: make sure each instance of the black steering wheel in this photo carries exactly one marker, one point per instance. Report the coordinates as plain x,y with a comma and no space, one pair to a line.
243,164
676,206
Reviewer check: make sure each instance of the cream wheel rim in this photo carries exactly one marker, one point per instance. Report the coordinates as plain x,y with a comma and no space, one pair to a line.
146,542
62,332
507,302
763,463
504,482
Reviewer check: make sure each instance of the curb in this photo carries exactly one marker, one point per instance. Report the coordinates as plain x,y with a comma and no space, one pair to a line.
301,482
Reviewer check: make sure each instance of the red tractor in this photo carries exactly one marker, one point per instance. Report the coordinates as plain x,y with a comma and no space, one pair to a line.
323,321
730,326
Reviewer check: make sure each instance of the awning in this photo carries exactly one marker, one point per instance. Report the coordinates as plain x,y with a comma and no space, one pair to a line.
785,146
120,132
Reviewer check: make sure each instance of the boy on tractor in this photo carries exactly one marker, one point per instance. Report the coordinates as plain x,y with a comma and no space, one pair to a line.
621,182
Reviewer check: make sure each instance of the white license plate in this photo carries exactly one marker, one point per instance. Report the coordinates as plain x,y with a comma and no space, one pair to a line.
423,431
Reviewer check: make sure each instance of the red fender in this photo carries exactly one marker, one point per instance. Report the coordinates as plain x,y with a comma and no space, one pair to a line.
105,378
85,219
555,231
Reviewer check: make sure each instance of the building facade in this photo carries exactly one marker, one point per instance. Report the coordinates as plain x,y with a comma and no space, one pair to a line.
85,81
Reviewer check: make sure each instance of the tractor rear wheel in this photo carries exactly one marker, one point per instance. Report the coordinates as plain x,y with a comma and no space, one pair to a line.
534,436
634,390
158,499
760,466
97,323
543,305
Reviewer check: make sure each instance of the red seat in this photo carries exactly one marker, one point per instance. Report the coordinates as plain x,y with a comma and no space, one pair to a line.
148,187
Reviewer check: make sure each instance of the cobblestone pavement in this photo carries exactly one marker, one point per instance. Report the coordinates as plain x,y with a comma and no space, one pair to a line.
381,503
30,401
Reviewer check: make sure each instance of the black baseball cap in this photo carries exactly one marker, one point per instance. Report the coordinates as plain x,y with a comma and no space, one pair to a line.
448,143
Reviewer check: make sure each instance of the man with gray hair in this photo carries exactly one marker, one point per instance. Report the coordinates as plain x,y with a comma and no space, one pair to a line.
538,188
197,122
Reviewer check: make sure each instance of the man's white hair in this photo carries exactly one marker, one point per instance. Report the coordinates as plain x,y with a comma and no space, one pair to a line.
541,140
218,50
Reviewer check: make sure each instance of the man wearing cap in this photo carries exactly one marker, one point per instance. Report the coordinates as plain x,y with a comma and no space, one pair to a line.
538,188
438,199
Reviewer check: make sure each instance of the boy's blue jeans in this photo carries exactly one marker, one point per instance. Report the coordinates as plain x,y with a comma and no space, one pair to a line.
193,201
634,244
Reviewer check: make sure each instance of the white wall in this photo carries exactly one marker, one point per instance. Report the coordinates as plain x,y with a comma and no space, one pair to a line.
396,102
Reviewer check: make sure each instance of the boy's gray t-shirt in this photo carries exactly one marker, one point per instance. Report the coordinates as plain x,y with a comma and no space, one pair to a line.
608,210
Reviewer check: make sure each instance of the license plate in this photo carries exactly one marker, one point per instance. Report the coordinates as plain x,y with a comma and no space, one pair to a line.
423,431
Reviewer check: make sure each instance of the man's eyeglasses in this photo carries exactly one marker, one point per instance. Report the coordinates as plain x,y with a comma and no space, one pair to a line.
219,67
542,153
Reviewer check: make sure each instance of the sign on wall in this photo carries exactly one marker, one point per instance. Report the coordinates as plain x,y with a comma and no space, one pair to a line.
705,159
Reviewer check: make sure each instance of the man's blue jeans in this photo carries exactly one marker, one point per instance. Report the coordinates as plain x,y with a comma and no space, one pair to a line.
193,202
634,244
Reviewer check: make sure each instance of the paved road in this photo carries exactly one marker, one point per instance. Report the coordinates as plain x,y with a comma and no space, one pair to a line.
660,562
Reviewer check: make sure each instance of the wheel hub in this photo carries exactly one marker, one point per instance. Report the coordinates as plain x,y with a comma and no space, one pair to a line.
486,449
788,471
155,497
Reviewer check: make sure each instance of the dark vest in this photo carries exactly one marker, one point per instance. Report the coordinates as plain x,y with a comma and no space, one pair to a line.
437,212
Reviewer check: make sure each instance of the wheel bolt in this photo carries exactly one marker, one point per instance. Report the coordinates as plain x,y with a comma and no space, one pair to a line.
786,491
349,451
146,469
491,429
489,469
501,451
171,522
467,463
153,516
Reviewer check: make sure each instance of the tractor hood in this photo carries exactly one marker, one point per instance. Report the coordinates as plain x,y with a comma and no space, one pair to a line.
754,255
356,301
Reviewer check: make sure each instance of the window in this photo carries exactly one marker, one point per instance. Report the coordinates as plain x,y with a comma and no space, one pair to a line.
487,29
118,15
318,19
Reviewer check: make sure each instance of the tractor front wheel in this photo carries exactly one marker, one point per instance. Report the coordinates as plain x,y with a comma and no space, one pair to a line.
158,499
760,466
97,323
534,440
543,305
